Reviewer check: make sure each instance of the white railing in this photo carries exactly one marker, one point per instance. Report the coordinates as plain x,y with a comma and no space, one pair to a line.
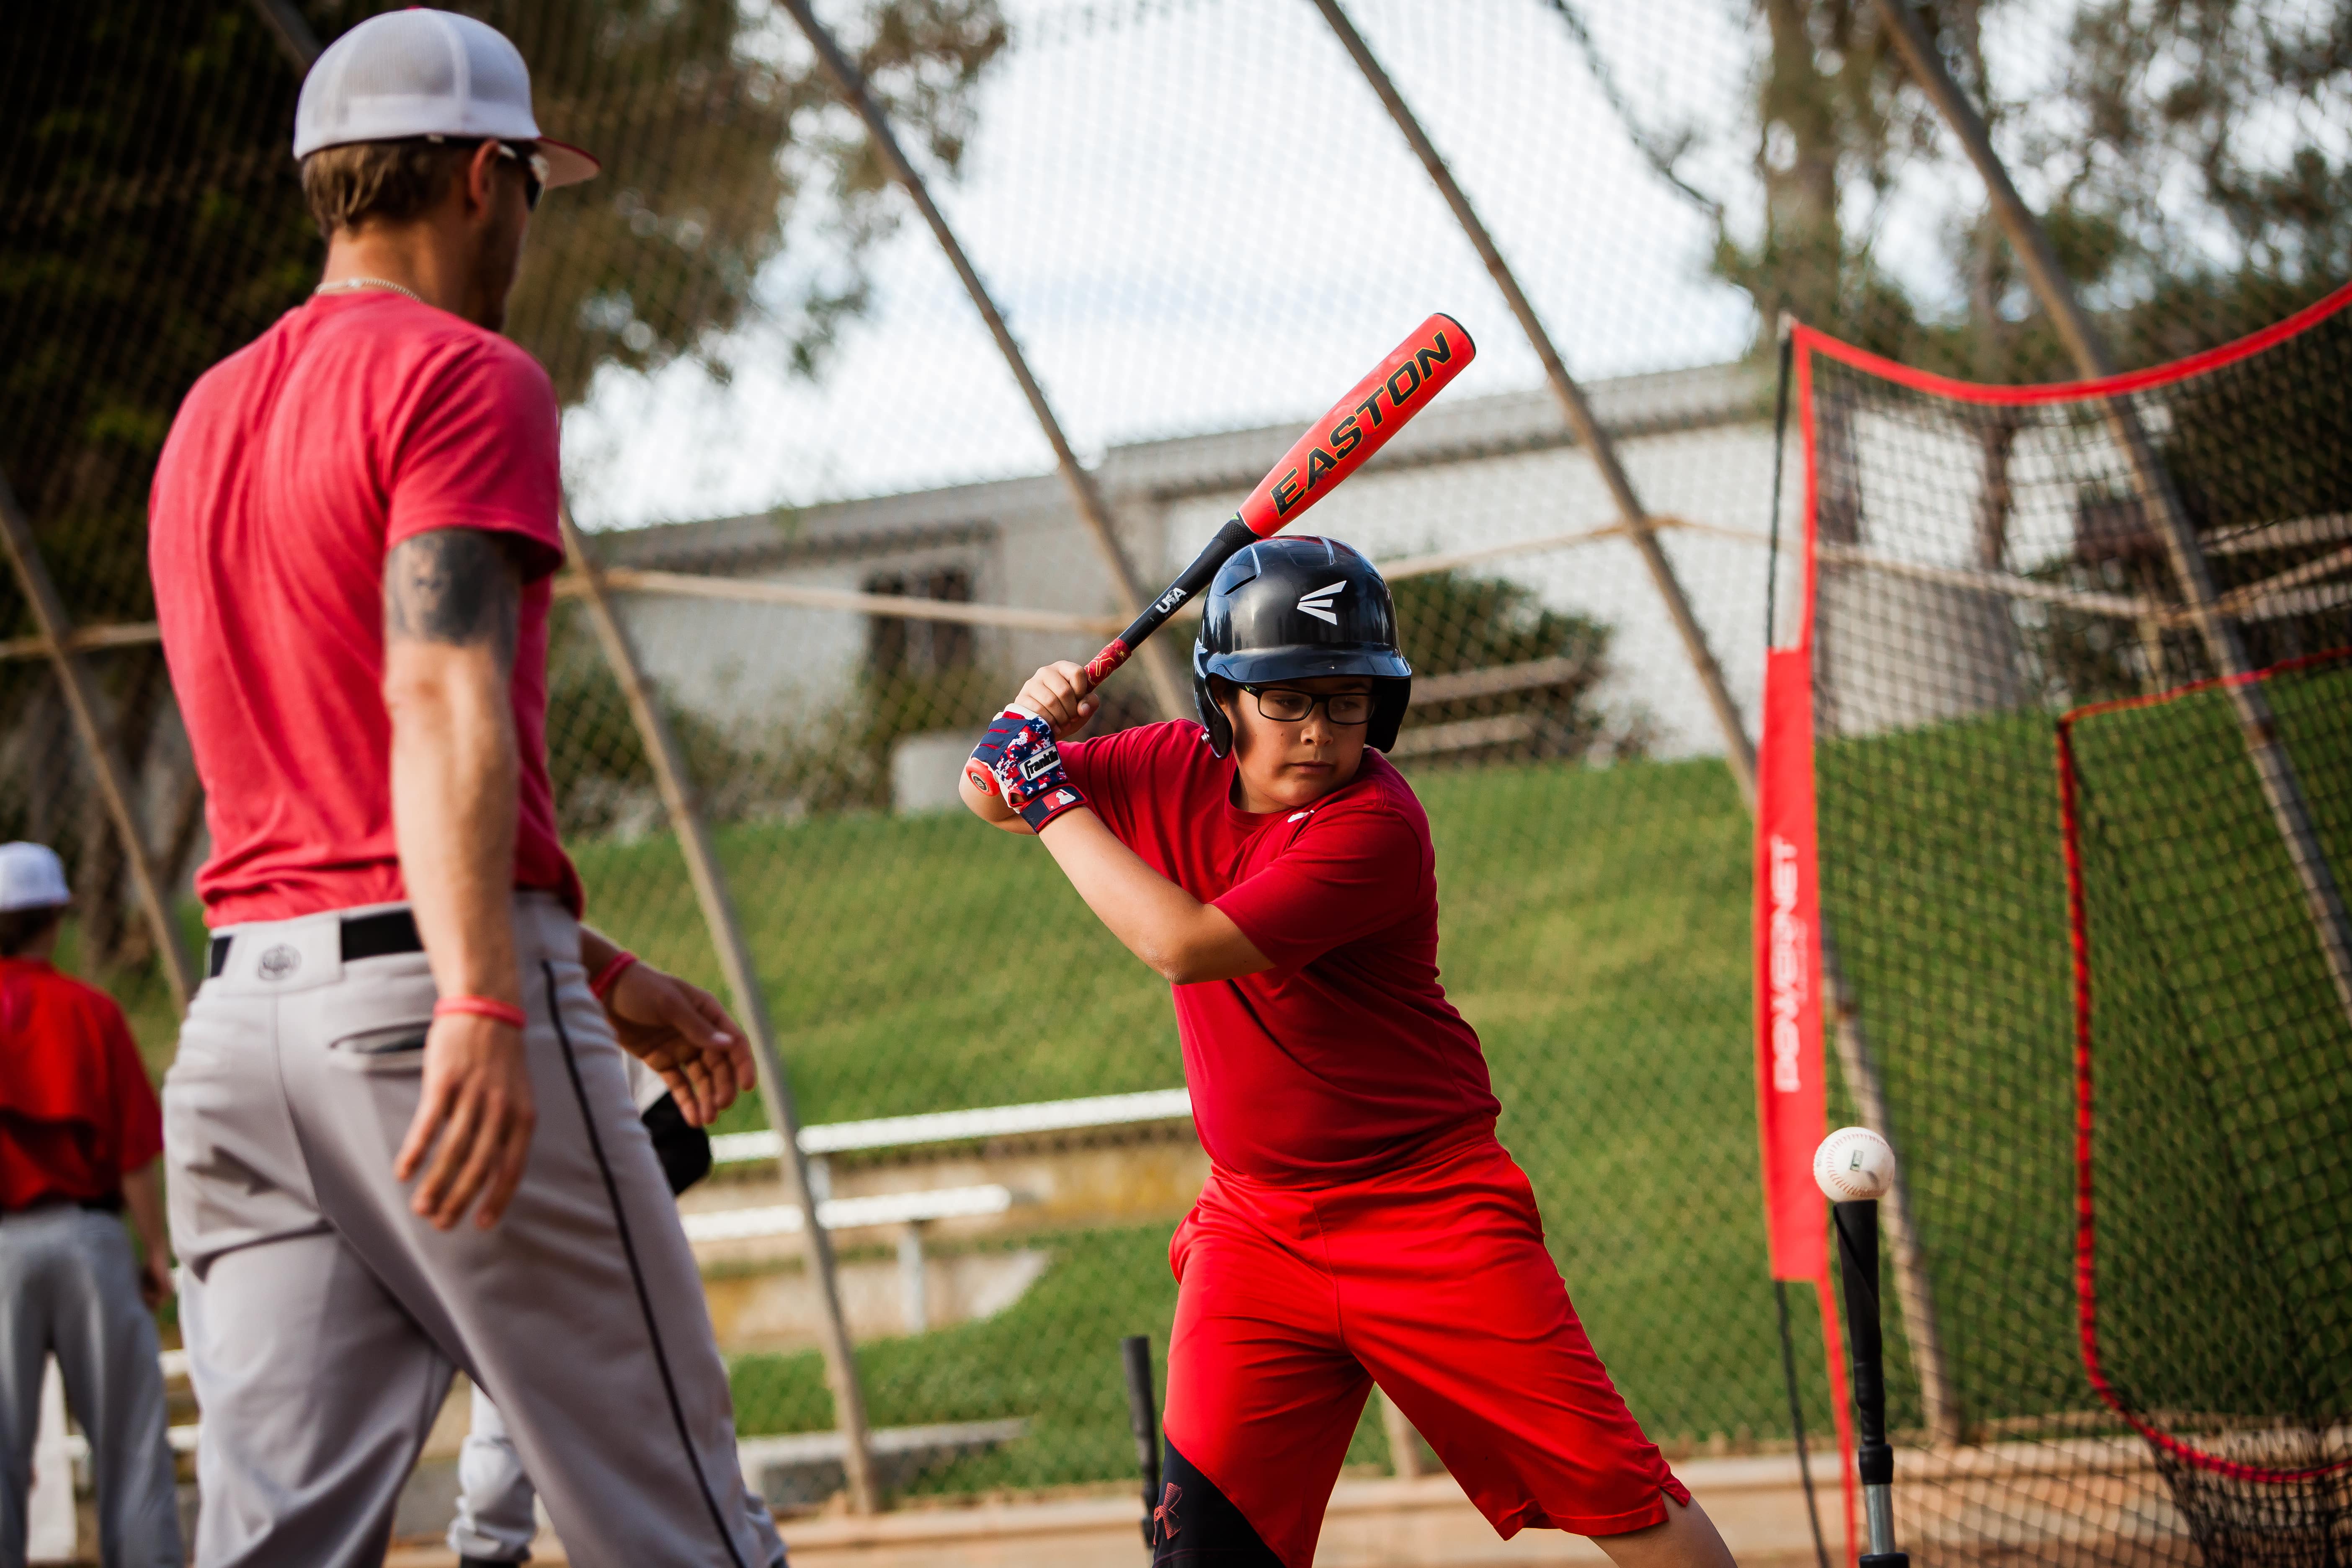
958,1126
846,1213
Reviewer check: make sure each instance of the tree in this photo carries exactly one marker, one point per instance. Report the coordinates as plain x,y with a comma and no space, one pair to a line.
2212,192
154,224
1453,623
1828,120
2190,173
2186,166
720,138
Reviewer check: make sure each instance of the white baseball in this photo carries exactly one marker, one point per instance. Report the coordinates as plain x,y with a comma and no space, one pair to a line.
1854,1163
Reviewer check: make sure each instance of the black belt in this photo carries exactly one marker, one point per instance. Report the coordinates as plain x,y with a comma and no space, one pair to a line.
364,936
105,1203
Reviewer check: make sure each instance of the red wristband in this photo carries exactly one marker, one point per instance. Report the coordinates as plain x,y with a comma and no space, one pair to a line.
482,1007
611,973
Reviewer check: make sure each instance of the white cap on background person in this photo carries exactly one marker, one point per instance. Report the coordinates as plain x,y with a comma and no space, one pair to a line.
31,877
425,73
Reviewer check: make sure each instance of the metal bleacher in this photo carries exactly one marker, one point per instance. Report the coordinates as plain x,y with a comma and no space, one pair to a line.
910,1209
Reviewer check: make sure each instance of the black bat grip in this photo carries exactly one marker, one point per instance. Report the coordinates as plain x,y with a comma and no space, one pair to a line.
1135,1351
1857,1238
1228,540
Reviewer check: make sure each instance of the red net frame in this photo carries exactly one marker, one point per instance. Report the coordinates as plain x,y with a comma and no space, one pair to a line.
1994,1503
2078,927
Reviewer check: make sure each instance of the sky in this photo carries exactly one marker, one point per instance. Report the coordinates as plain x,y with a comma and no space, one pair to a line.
1196,216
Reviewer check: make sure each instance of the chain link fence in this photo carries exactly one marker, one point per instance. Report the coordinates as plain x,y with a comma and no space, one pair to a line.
833,531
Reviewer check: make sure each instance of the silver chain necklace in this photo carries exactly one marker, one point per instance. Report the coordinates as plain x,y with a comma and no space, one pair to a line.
343,285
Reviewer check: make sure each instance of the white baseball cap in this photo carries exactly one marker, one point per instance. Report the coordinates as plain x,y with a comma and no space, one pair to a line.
31,877
425,73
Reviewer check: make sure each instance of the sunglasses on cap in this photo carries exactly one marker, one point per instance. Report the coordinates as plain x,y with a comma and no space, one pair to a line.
535,167
534,171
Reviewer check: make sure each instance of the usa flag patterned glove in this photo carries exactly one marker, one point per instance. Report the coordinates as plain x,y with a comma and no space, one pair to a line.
1018,761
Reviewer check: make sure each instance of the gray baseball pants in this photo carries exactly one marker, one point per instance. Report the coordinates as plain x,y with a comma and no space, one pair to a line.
323,1319
496,1517
70,1286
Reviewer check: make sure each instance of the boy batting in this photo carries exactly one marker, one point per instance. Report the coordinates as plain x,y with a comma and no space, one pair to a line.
1360,1224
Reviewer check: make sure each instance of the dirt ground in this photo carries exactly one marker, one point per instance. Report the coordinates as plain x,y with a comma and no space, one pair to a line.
1423,1523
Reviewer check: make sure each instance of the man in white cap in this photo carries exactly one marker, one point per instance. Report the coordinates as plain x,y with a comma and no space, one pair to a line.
399,1132
79,1137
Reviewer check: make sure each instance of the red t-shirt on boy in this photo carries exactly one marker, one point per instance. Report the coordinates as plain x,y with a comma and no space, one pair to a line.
1345,1056
294,467
77,1112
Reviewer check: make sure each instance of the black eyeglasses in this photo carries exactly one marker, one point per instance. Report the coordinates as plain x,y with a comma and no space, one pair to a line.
534,171
1286,706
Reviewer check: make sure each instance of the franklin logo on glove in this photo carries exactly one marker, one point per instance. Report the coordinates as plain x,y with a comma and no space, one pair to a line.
1018,761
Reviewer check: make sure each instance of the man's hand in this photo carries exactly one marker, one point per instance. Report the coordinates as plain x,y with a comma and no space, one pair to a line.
683,1033
156,1282
1057,693
475,1120
143,1197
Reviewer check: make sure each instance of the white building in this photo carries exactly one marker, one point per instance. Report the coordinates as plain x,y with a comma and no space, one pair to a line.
1496,480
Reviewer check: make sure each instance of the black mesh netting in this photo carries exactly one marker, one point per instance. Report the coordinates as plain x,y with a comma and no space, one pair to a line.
777,394
2217,1171
1984,562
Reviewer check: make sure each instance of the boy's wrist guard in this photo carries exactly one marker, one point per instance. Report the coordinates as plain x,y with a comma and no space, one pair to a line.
1022,760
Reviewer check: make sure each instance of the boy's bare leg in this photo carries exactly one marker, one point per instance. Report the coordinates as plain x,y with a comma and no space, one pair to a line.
1688,1539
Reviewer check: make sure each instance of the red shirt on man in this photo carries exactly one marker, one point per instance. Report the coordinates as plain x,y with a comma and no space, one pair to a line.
294,467
1345,1056
77,1112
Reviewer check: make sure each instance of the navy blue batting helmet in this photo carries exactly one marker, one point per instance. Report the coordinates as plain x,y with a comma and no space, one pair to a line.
1294,608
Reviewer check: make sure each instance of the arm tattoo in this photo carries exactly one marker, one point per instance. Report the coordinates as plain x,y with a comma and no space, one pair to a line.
460,586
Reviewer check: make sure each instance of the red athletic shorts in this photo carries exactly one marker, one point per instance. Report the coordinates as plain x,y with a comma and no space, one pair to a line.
1431,1280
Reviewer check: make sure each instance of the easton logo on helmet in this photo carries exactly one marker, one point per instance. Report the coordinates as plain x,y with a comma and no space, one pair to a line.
1319,603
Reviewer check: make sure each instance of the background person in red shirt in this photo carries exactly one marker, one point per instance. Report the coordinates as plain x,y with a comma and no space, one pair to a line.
400,1131
78,1136
1360,1224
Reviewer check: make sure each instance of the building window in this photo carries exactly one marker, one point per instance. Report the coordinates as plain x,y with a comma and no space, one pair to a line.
897,646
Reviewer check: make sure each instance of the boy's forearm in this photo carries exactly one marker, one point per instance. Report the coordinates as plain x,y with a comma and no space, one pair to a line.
454,805
1184,939
989,808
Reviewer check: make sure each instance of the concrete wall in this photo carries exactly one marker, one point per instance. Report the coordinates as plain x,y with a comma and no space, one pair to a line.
1481,472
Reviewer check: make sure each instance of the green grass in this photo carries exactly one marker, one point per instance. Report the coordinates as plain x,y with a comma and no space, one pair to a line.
909,964
1943,887
1597,935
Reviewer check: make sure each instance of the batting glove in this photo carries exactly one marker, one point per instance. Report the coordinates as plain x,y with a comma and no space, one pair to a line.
1018,761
